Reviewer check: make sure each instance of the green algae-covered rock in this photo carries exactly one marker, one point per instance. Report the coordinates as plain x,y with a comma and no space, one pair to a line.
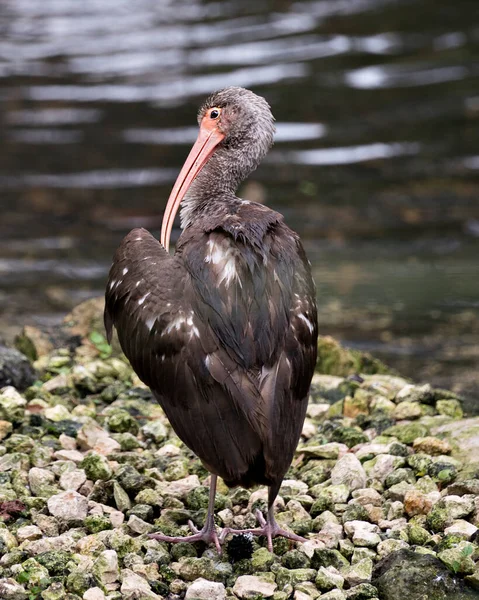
96,523
294,576
55,561
450,408
120,421
96,467
191,568
262,560
407,574
328,579
408,432
459,558
324,557
295,559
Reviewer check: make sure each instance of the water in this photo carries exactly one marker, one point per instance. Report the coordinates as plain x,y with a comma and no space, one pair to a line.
376,162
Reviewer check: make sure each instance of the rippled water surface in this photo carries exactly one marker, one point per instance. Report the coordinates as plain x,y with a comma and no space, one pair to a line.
376,162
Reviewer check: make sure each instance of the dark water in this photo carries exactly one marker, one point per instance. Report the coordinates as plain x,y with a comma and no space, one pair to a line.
376,163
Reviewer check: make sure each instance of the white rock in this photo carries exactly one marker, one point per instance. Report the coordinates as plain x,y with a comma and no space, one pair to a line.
202,589
459,506
182,487
67,442
383,466
69,505
250,586
330,534
72,455
47,544
460,527
73,480
11,590
366,496
94,594
168,450
133,586
29,532
362,533
349,471
93,437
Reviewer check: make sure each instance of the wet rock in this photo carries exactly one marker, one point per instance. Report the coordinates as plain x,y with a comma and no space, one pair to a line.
349,471
250,586
68,505
15,369
203,589
407,574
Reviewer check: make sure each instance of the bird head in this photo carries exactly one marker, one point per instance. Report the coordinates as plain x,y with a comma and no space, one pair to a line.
236,132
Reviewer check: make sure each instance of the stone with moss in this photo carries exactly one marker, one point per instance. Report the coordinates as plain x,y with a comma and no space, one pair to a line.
325,557
96,467
97,523
262,560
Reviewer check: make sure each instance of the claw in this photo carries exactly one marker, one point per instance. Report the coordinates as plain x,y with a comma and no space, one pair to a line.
207,535
270,529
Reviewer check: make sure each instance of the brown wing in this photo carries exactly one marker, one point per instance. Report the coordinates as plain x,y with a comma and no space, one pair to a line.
220,340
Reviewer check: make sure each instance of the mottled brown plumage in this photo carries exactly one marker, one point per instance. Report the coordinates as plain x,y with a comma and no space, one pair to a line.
224,331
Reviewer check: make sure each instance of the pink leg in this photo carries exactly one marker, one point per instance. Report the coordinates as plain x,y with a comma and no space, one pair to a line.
270,529
207,534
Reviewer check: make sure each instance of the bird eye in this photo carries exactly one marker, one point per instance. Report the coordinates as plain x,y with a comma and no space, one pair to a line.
215,113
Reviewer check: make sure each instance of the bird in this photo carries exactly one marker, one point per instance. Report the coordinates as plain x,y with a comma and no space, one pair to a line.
223,331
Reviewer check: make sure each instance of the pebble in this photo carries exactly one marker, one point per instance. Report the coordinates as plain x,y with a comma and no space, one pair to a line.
251,586
349,471
11,590
68,505
29,532
94,593
39,479
73,480
432,446
202,589
73,455
363,533
134,586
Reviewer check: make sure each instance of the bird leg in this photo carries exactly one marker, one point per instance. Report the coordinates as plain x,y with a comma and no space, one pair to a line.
207,534
269,527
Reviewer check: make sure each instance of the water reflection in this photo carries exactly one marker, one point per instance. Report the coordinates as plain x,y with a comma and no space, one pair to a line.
375,164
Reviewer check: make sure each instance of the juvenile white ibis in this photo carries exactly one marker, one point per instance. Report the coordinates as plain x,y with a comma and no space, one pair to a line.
224,331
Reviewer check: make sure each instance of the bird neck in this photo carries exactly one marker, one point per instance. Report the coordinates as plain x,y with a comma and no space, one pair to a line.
214,185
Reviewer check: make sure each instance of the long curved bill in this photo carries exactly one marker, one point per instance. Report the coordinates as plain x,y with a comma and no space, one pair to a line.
208,138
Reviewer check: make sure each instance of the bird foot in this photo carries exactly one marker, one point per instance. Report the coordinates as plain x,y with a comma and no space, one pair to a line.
207,535
270,529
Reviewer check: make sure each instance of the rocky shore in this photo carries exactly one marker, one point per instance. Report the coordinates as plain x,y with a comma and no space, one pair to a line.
384,486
